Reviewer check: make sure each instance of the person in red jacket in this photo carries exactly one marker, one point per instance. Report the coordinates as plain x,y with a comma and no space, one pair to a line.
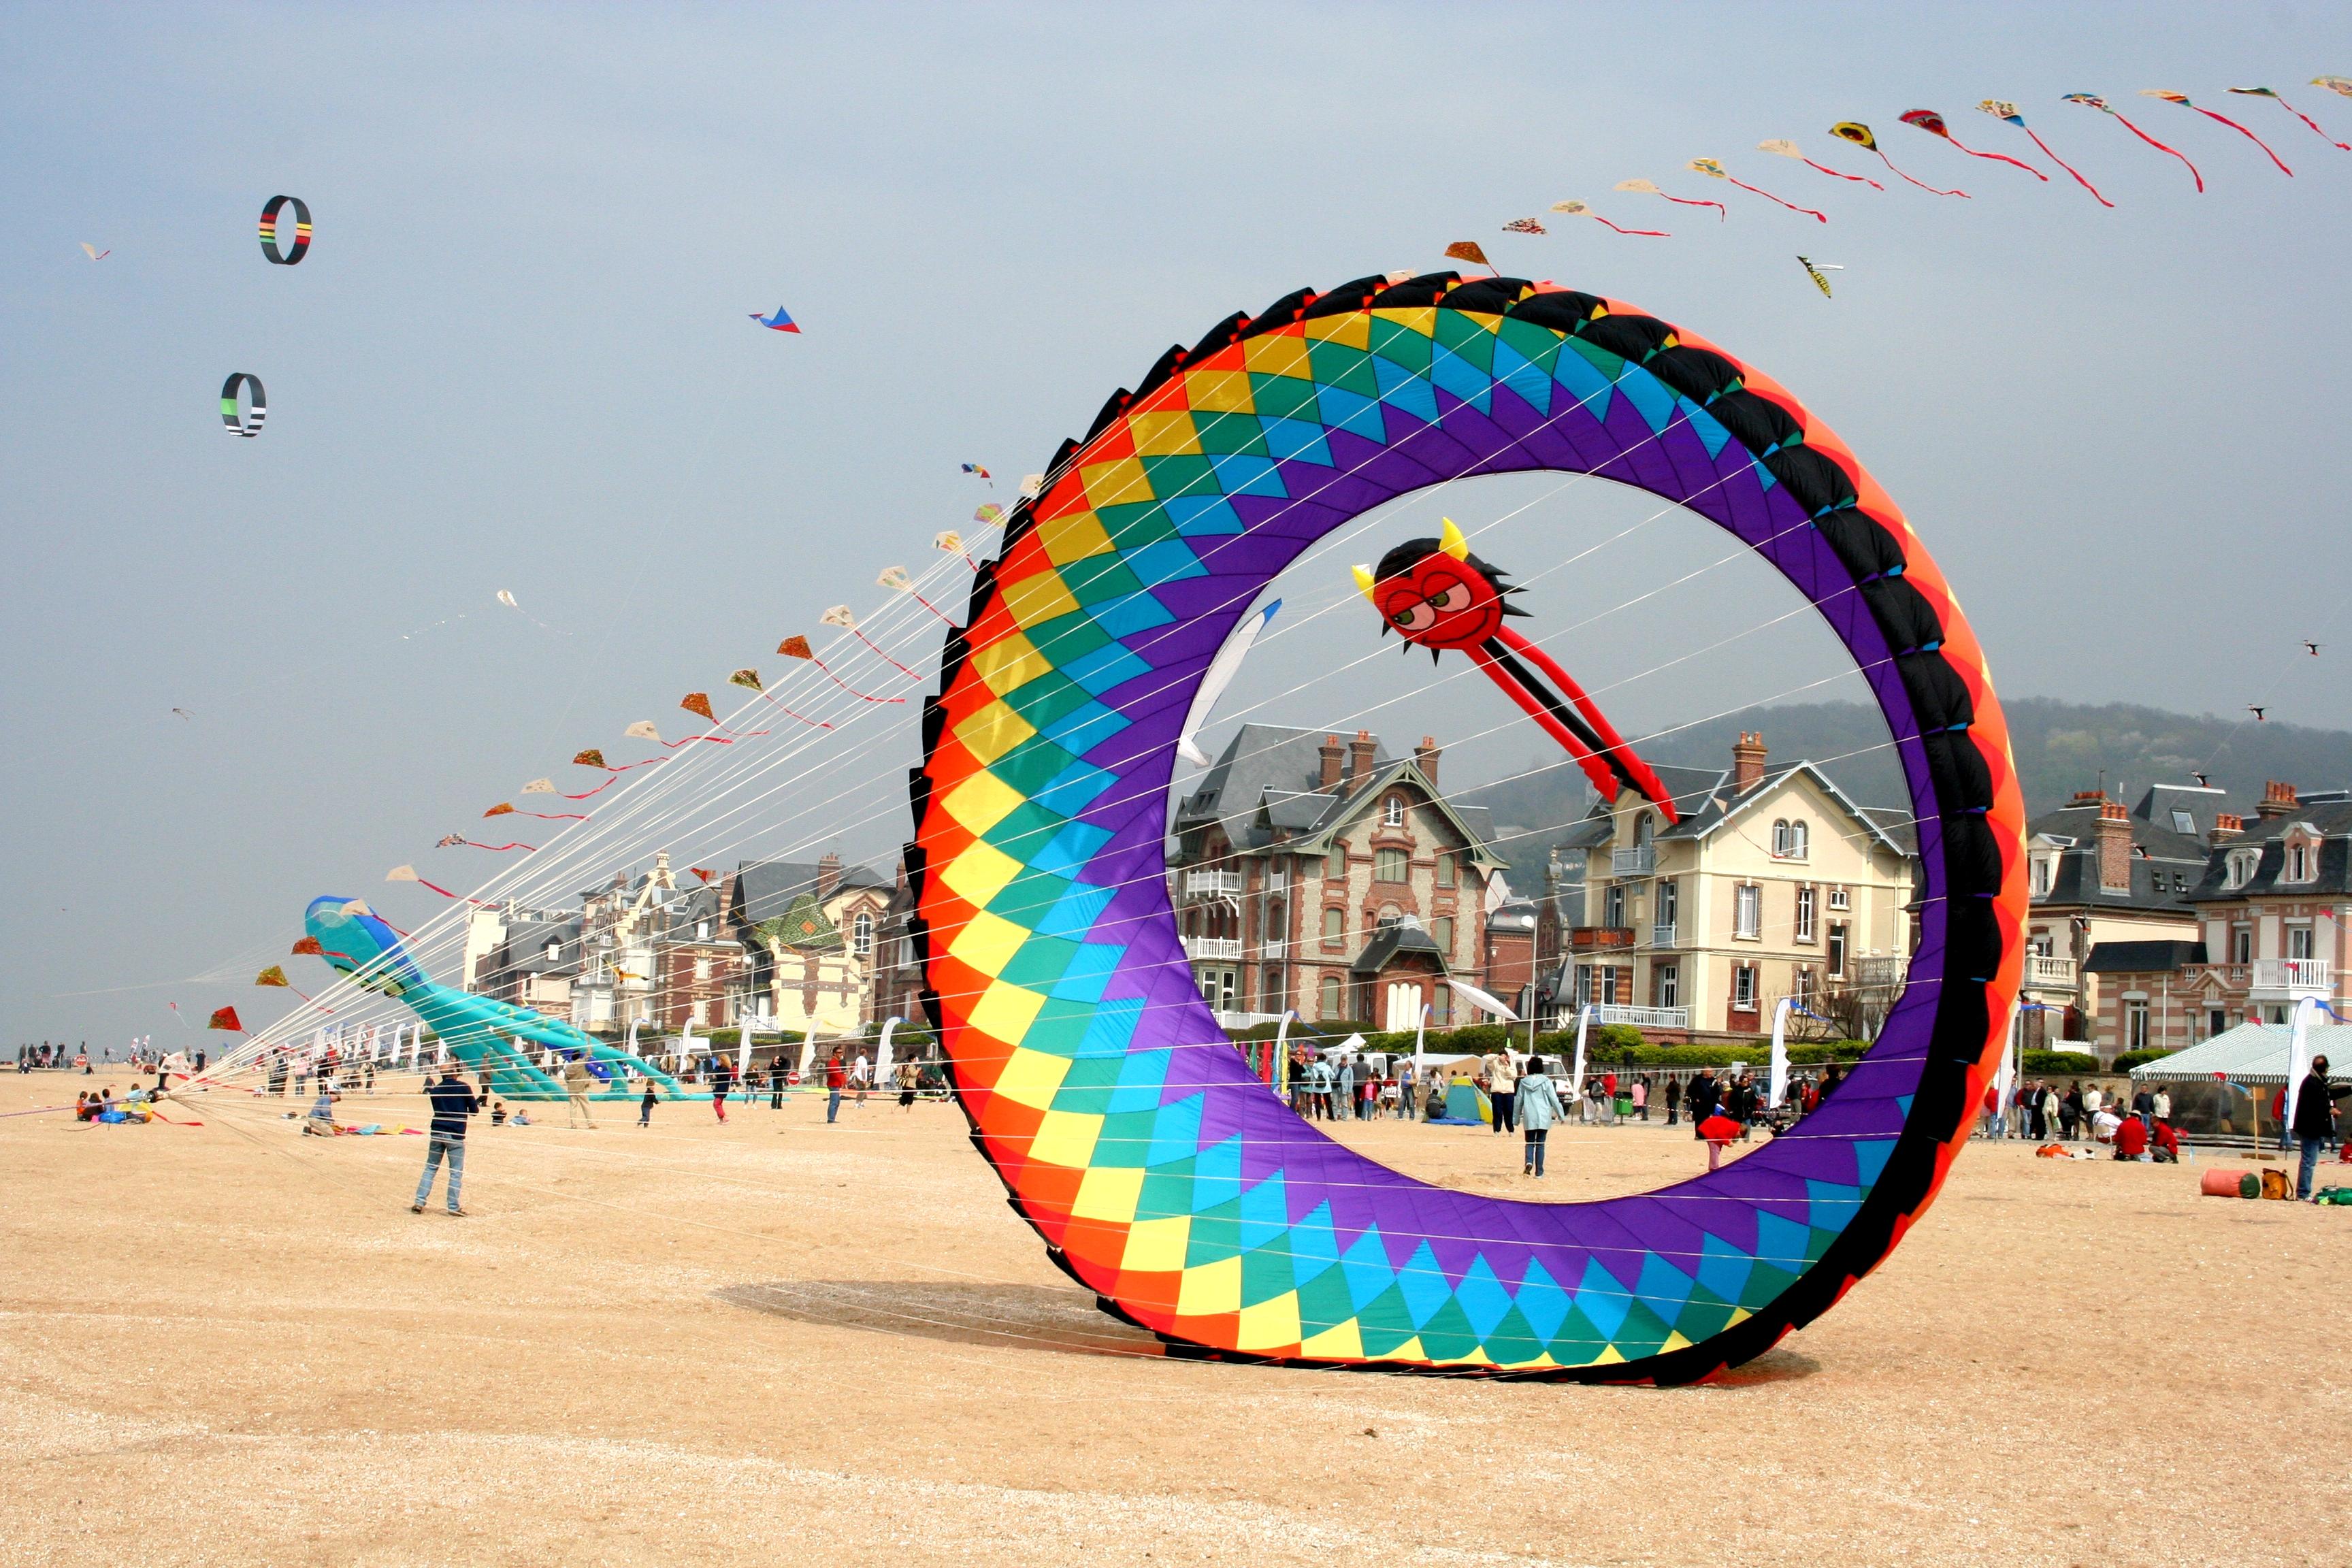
837,1079
2131,1138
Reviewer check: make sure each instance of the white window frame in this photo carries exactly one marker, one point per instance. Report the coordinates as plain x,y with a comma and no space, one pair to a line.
1800,840
1393,811
861,934
1840,945
1806,901
1840,898
1743,988
1748,912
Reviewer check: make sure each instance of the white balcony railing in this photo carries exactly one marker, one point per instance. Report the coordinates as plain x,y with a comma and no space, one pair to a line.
1212,884
1638,861
1220,948
1244,1020
1643,1018
1662,933
2057,971
2311,974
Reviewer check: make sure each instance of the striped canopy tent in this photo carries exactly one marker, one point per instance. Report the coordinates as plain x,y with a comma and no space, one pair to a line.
2249,1054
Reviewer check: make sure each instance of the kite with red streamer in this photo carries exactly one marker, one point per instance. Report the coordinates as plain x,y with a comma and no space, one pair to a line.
797,647
749,680
458,841
1933,123
225,1018
2181,98
408,874
895,578
2274,94
1856,131
505,809
2003,110
1713,170
1577,209
2093,100
276,976
1649,188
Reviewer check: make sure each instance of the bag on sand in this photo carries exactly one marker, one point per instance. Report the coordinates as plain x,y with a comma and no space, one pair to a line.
2275,1185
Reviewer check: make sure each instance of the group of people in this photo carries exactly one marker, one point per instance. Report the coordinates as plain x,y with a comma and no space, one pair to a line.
53,1057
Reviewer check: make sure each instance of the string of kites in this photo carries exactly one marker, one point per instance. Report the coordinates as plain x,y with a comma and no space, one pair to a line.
1858,134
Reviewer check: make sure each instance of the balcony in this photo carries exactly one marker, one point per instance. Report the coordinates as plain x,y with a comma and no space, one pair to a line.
1642,860
1662,935
2058,974
1231,1021
1212,884
1643,1018
2293,977
1599,938
1213,949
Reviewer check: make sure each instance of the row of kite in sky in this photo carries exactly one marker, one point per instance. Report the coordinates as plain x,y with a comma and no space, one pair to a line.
1857,134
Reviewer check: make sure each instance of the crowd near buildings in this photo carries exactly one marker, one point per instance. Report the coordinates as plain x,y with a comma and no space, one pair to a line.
1325,876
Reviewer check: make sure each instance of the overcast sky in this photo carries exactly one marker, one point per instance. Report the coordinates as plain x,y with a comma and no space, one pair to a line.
518,357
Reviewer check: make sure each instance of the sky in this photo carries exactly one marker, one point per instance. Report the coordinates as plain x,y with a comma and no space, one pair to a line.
517,356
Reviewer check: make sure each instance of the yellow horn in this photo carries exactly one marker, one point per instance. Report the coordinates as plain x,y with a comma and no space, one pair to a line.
1452,544
1364,581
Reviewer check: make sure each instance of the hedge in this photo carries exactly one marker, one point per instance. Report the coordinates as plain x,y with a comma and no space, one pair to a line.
2072,1061
2131,1059
1605,1045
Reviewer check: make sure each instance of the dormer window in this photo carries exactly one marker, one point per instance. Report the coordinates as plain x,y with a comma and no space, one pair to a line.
554,951
1790,840
2045,871
1392,813
2237,869
702,930
2302,860
2183,823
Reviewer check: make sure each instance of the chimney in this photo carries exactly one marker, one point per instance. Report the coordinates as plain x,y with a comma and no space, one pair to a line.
1330,751
1360,759
2227,829
661,870
828,876
2088,797
1424,757
2278,800
1748,755
2114,848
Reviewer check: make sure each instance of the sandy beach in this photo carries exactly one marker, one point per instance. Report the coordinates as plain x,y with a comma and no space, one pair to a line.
781,1342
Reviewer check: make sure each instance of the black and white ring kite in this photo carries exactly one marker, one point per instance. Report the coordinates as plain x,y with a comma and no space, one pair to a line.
251,424
269,230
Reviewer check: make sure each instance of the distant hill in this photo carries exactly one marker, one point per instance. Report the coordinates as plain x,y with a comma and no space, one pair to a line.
2061,747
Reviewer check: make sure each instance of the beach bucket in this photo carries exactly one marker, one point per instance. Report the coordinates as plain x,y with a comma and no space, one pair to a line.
2231,1184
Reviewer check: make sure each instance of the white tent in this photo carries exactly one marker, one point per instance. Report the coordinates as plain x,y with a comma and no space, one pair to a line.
2250,1054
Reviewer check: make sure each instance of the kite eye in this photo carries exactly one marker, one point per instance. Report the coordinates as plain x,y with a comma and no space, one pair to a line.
1446,601
1416,617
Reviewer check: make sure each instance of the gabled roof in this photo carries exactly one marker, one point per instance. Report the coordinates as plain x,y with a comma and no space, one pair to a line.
1708,801
2143,957
764,890
1393,941
803,927
1265,779
2197,804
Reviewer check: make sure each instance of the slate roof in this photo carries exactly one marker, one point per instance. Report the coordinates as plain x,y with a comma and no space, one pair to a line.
1708,801
692,904
1390,943
2202,803
2328,813
764,890
1265,780
2165,865
2143,957
524,950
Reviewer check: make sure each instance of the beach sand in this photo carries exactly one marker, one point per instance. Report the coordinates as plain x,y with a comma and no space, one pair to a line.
779,1342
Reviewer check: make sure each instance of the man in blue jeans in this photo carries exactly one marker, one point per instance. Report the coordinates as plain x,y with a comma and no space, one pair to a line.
2315,1119
453,1101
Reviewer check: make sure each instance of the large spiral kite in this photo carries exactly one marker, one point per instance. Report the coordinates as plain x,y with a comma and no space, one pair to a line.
1160,1172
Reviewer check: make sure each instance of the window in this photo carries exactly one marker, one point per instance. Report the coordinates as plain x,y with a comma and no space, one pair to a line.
1444,868
702,930
1837,950
1615,903
702,969
1805,914
1748,911
1800,840
1336,867
1840,898
1441,930
2136,1024
2298,942
1780,839
701,1012
2044,868
1393,811
1331,1003
1666,980
2299,859
1335,925
1743,988
2182,822
1388,864
1440,1008
1670,902
2241,944
861,934
1801,985
2237,869
2217,1021
555,950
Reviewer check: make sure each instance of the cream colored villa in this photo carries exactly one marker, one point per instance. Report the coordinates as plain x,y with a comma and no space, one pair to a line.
1773,884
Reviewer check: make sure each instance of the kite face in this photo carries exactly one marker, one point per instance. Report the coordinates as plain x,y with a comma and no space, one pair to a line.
1128,1131
1435,599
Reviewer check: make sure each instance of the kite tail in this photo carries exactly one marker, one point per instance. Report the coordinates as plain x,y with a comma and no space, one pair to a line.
1863,179
861,696
495,848
1963,194
2307,119
2069,168
944,620
1653,233
553,816
790,713
1822,217
2249,136
2001,157
2162,148
1721,212
901,669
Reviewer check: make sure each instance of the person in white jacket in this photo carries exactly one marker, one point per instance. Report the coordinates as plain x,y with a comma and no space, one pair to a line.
1536,1109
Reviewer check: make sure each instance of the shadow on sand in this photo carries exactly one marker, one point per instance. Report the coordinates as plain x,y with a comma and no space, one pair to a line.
1007,1317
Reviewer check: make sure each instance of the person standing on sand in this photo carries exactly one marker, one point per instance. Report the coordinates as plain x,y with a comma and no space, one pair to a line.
909,1078
645,1105
837,1079
1503,1089
722,1080
2315,1119
1539,1107
577,1083
453,1101
1674,1100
